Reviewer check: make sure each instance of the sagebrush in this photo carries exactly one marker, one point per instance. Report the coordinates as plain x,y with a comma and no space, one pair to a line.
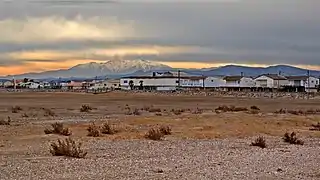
260,142
68,148
292,138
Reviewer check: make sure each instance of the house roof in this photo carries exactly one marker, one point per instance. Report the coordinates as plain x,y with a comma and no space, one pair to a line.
274,76
233,78
165,77
297,77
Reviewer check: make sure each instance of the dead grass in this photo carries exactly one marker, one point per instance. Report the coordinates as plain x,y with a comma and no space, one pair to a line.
292,138
85,108
93,130
154,134
108,129
225,108
5,122
68,148
260,142
57,128
255,108
165,130
177,111
16,109
154,110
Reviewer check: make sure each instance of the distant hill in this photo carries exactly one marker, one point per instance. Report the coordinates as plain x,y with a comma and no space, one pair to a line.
109,68
120,68
254,71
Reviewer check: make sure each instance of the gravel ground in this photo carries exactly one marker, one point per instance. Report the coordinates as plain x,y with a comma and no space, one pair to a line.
169,159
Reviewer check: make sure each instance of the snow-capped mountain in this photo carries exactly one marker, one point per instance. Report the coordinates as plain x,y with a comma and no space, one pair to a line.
107,68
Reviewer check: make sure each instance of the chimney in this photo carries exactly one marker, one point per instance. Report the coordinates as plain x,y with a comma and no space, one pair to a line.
153,74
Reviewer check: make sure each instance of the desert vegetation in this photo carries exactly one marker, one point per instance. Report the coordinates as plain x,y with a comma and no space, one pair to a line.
5,122
68,148
260,142
85,108
93,130
292,138
58,128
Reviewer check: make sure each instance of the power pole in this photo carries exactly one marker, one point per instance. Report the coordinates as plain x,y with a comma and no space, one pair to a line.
308,83
178,79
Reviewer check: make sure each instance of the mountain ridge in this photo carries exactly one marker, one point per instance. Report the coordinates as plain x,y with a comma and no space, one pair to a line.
119,68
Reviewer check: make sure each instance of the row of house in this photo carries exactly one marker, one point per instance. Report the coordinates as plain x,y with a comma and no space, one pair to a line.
169,81
66,85
265,82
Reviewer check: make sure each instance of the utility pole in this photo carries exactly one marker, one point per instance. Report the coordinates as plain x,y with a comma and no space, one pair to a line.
14,84
178,79
308,84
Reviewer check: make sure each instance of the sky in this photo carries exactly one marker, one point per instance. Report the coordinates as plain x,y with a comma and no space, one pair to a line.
41,35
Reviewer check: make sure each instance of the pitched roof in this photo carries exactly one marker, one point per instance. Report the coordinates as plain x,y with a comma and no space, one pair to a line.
274,76
298,77
233,78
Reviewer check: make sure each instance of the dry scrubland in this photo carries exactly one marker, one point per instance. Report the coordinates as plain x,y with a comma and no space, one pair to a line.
195,137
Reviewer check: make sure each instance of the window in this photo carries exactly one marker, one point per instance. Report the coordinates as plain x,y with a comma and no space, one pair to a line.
177,81
125,81
211,80
312,81
317,82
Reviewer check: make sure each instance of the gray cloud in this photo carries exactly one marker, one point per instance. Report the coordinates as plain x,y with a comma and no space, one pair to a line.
247,31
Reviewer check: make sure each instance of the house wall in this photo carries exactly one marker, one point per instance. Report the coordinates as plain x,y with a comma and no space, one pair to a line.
314,82
244,82
264,81
267,82
214,82
163,82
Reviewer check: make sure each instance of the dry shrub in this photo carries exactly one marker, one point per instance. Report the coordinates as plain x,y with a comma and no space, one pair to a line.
281,111
5,122
108,129
239,109
177,111
85,108
57,128
260,142
93,130
315,127
296,112
49,112
16,109
154,134
292,138
158,114
255,108
68,148
225,108
154,110
165,130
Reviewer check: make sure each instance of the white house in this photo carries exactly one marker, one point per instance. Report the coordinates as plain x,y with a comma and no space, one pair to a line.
161,83
309,83
273,81
239,81
8,84
214,82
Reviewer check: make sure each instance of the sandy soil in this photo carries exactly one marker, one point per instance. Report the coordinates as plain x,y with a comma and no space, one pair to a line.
206,145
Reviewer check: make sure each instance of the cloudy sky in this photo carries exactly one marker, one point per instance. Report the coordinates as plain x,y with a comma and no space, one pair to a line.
39,35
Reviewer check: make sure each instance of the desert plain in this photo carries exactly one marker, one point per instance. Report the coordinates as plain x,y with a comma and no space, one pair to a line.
205,143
